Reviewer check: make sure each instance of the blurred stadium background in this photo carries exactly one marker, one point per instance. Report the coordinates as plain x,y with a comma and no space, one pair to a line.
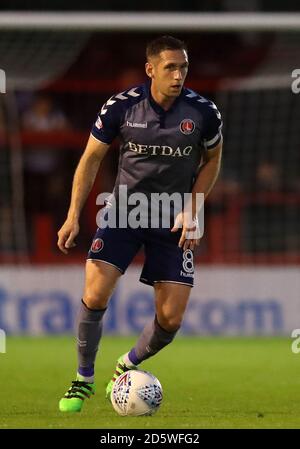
59,70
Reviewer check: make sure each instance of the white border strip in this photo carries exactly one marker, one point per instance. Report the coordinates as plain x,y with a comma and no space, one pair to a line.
257,82
108,263
149,21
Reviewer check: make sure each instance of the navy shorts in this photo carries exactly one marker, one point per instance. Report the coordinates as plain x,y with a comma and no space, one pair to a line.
164,260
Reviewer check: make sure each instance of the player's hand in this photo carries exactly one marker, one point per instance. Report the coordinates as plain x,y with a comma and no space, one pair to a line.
190,236
67,234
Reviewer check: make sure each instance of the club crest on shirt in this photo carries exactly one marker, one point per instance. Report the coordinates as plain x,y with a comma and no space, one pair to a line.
187,126
97,245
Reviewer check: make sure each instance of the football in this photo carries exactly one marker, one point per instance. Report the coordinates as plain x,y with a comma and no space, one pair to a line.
136,393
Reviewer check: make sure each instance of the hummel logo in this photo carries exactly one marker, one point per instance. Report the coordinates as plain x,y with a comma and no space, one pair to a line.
81,343
136,125
2,82
2,341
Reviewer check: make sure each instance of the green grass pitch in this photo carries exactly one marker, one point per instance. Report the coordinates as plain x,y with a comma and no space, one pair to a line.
207,382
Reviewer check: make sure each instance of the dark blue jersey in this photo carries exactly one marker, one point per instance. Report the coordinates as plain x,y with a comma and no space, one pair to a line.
160,151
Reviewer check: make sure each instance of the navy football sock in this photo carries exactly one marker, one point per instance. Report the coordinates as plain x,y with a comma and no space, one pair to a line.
89,332
152,339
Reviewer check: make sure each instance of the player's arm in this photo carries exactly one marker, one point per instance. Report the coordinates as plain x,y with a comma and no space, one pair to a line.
212,140
83,181
207,175
205,180
204,183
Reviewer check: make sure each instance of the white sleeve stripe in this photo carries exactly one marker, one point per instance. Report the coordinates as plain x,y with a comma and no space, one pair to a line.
211,142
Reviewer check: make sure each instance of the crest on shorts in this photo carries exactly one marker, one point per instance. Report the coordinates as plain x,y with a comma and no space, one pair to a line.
97,245
187,126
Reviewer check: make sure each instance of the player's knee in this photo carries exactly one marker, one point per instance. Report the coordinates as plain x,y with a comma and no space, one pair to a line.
95,301
96,296
170,323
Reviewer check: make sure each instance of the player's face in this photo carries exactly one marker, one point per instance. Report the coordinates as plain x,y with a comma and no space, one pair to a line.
168,72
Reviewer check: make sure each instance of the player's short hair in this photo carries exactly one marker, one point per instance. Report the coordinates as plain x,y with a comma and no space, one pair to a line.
155,47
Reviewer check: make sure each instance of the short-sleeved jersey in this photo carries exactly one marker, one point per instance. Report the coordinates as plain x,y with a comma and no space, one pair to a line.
160,151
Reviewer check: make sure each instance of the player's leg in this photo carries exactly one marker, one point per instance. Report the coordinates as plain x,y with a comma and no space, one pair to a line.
110,254
170,270
170,303
100,280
